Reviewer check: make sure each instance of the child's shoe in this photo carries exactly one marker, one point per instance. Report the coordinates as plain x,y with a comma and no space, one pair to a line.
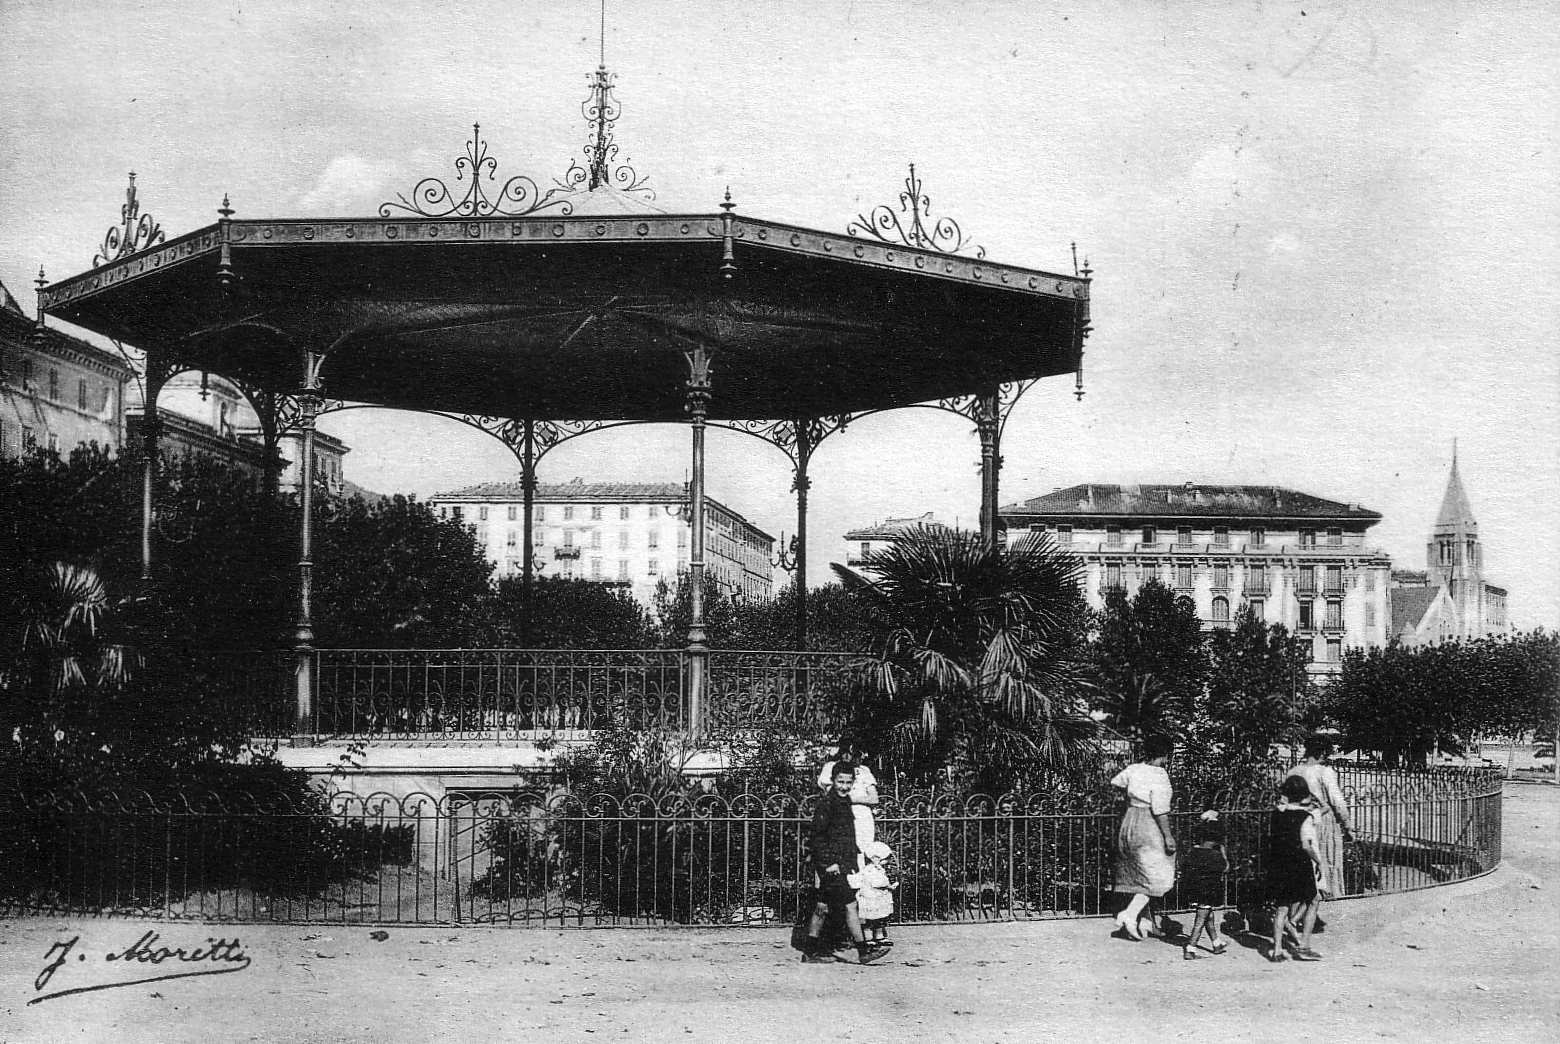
868,954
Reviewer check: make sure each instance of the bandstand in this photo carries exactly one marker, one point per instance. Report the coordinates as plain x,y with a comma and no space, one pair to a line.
540,313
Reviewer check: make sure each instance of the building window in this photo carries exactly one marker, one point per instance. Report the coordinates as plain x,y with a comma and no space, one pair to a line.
1183,534
457,512
81,394
1333,621
1221,576
1113,536
655,568
568,538
1334,650
1256,577
1183,577
623,540
1308,579
1370,614
1370,579
568,513
539,514
1335,537
27,374
1112,575
1221,536
1221,612
513,513
1334,579
1307,538
595,569
682,538
481,514
595,514
1258,536
1064,534
622,569
1258,608
1150,535
595,538
512,539
54,384
866,546
1307,620
623,513
653,539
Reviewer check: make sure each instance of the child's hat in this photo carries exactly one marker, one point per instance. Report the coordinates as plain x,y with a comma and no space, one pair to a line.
876,851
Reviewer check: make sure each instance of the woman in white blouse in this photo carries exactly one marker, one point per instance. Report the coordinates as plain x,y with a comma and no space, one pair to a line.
1145,848
1331,813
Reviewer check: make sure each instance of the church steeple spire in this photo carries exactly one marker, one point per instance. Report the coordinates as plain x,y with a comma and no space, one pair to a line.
1456,513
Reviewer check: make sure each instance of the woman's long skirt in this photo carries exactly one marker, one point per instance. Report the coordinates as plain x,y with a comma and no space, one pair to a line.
1329,843
1143,867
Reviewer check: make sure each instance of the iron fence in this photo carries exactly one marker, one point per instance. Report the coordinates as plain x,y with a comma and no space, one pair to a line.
501,695
553,857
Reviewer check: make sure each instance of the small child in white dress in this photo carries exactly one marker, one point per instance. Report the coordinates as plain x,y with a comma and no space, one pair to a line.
875,894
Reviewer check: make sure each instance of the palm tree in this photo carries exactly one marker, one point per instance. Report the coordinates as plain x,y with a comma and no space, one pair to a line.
62,664
976,653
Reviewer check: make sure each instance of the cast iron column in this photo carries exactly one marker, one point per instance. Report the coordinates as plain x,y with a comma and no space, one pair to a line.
528,505
987,422
698,389
802,484
310,400
151,432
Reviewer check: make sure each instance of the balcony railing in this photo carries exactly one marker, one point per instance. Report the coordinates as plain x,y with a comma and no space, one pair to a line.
498,695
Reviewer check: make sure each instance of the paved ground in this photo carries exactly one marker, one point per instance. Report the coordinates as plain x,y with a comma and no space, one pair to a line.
1470,962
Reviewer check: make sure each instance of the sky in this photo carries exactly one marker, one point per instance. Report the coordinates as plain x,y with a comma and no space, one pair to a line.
1325,236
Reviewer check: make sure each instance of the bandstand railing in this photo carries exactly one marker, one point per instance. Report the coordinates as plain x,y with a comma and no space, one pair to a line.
500,695
546,855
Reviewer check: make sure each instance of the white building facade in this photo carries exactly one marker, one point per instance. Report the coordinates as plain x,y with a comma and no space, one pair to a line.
628,535
1292,558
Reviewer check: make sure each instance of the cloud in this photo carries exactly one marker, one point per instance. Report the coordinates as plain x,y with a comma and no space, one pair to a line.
351,185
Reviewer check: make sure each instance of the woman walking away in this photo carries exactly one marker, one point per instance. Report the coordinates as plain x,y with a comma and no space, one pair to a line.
1293,864
1204,869
1332,824
1145,848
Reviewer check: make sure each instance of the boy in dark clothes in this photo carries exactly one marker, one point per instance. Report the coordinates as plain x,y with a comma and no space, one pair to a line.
832,842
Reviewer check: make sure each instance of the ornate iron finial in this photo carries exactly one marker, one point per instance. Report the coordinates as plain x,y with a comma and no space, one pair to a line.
519,196
601,167
40,283
1075,256
944,235
136,231
226,209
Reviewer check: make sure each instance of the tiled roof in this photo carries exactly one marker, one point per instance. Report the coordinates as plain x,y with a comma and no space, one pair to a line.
591,492
892,528
670,492
1409,605
16,327
1189,499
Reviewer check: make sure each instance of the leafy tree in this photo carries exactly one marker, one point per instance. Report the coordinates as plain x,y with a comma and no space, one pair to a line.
570,614
976,656
837,621
1149,661
1258,688
1403,703
394,575
672,605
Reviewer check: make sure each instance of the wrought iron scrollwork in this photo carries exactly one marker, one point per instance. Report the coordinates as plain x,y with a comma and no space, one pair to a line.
136,231
909,224
601,110
785,435
431,197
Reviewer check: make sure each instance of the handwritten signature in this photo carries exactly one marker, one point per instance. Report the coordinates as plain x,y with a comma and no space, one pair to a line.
217,957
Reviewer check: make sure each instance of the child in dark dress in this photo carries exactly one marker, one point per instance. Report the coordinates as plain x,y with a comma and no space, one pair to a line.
1204,868
1293,864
